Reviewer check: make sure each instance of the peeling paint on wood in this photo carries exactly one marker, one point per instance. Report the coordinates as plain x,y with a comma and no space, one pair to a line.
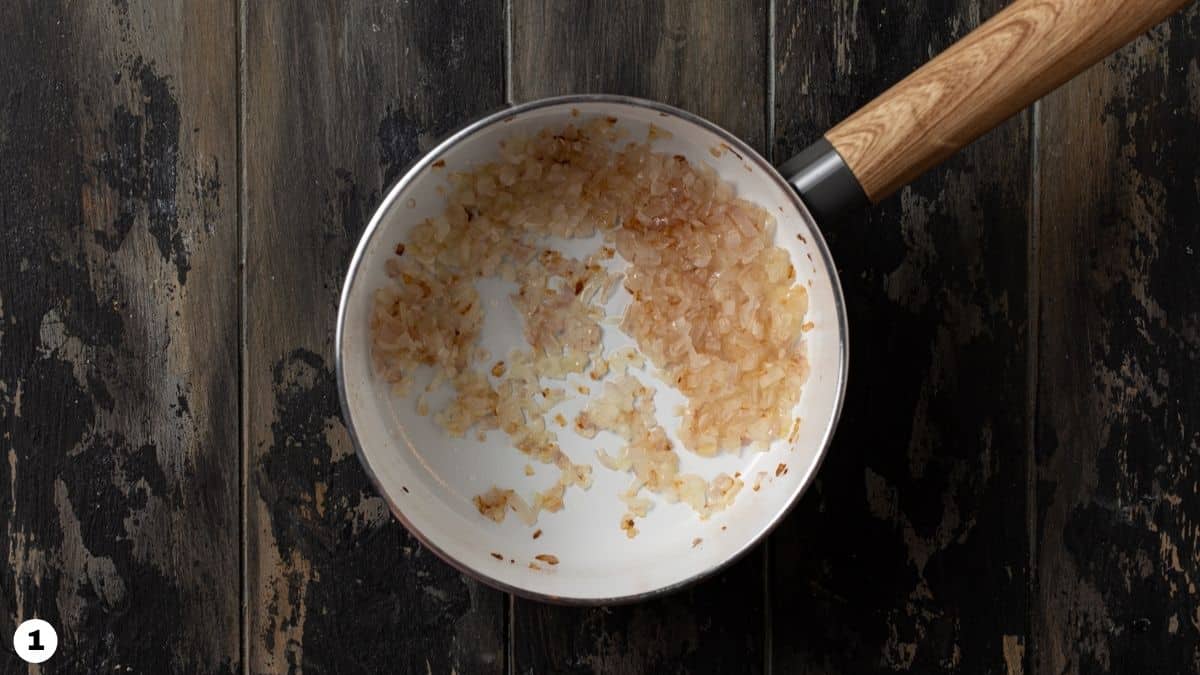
340,98
118,334
1014,655
1118,423
909,553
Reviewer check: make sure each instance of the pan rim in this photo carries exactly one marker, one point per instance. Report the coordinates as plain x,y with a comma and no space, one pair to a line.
458,137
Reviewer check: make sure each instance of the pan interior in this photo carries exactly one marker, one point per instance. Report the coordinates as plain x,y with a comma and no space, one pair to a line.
429,479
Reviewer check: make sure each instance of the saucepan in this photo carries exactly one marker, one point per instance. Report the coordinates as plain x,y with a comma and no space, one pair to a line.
582,553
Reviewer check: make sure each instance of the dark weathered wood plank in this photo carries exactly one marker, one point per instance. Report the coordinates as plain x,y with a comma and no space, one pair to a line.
910,551
118,333
708,57
1118,415
339,98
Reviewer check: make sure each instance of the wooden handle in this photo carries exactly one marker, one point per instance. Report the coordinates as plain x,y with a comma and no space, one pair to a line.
1004,65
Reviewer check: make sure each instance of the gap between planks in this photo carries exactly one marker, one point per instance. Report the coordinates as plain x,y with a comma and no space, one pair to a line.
508,52
1033,331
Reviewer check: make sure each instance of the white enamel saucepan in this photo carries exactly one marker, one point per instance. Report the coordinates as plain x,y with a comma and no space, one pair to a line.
429,479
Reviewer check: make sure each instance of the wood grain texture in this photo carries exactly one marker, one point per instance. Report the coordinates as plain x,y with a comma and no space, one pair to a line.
1118,414
910,552
1016,57
708,57
118,334
339,97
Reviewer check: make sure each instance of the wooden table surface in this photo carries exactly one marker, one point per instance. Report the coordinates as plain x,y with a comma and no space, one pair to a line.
1013,488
